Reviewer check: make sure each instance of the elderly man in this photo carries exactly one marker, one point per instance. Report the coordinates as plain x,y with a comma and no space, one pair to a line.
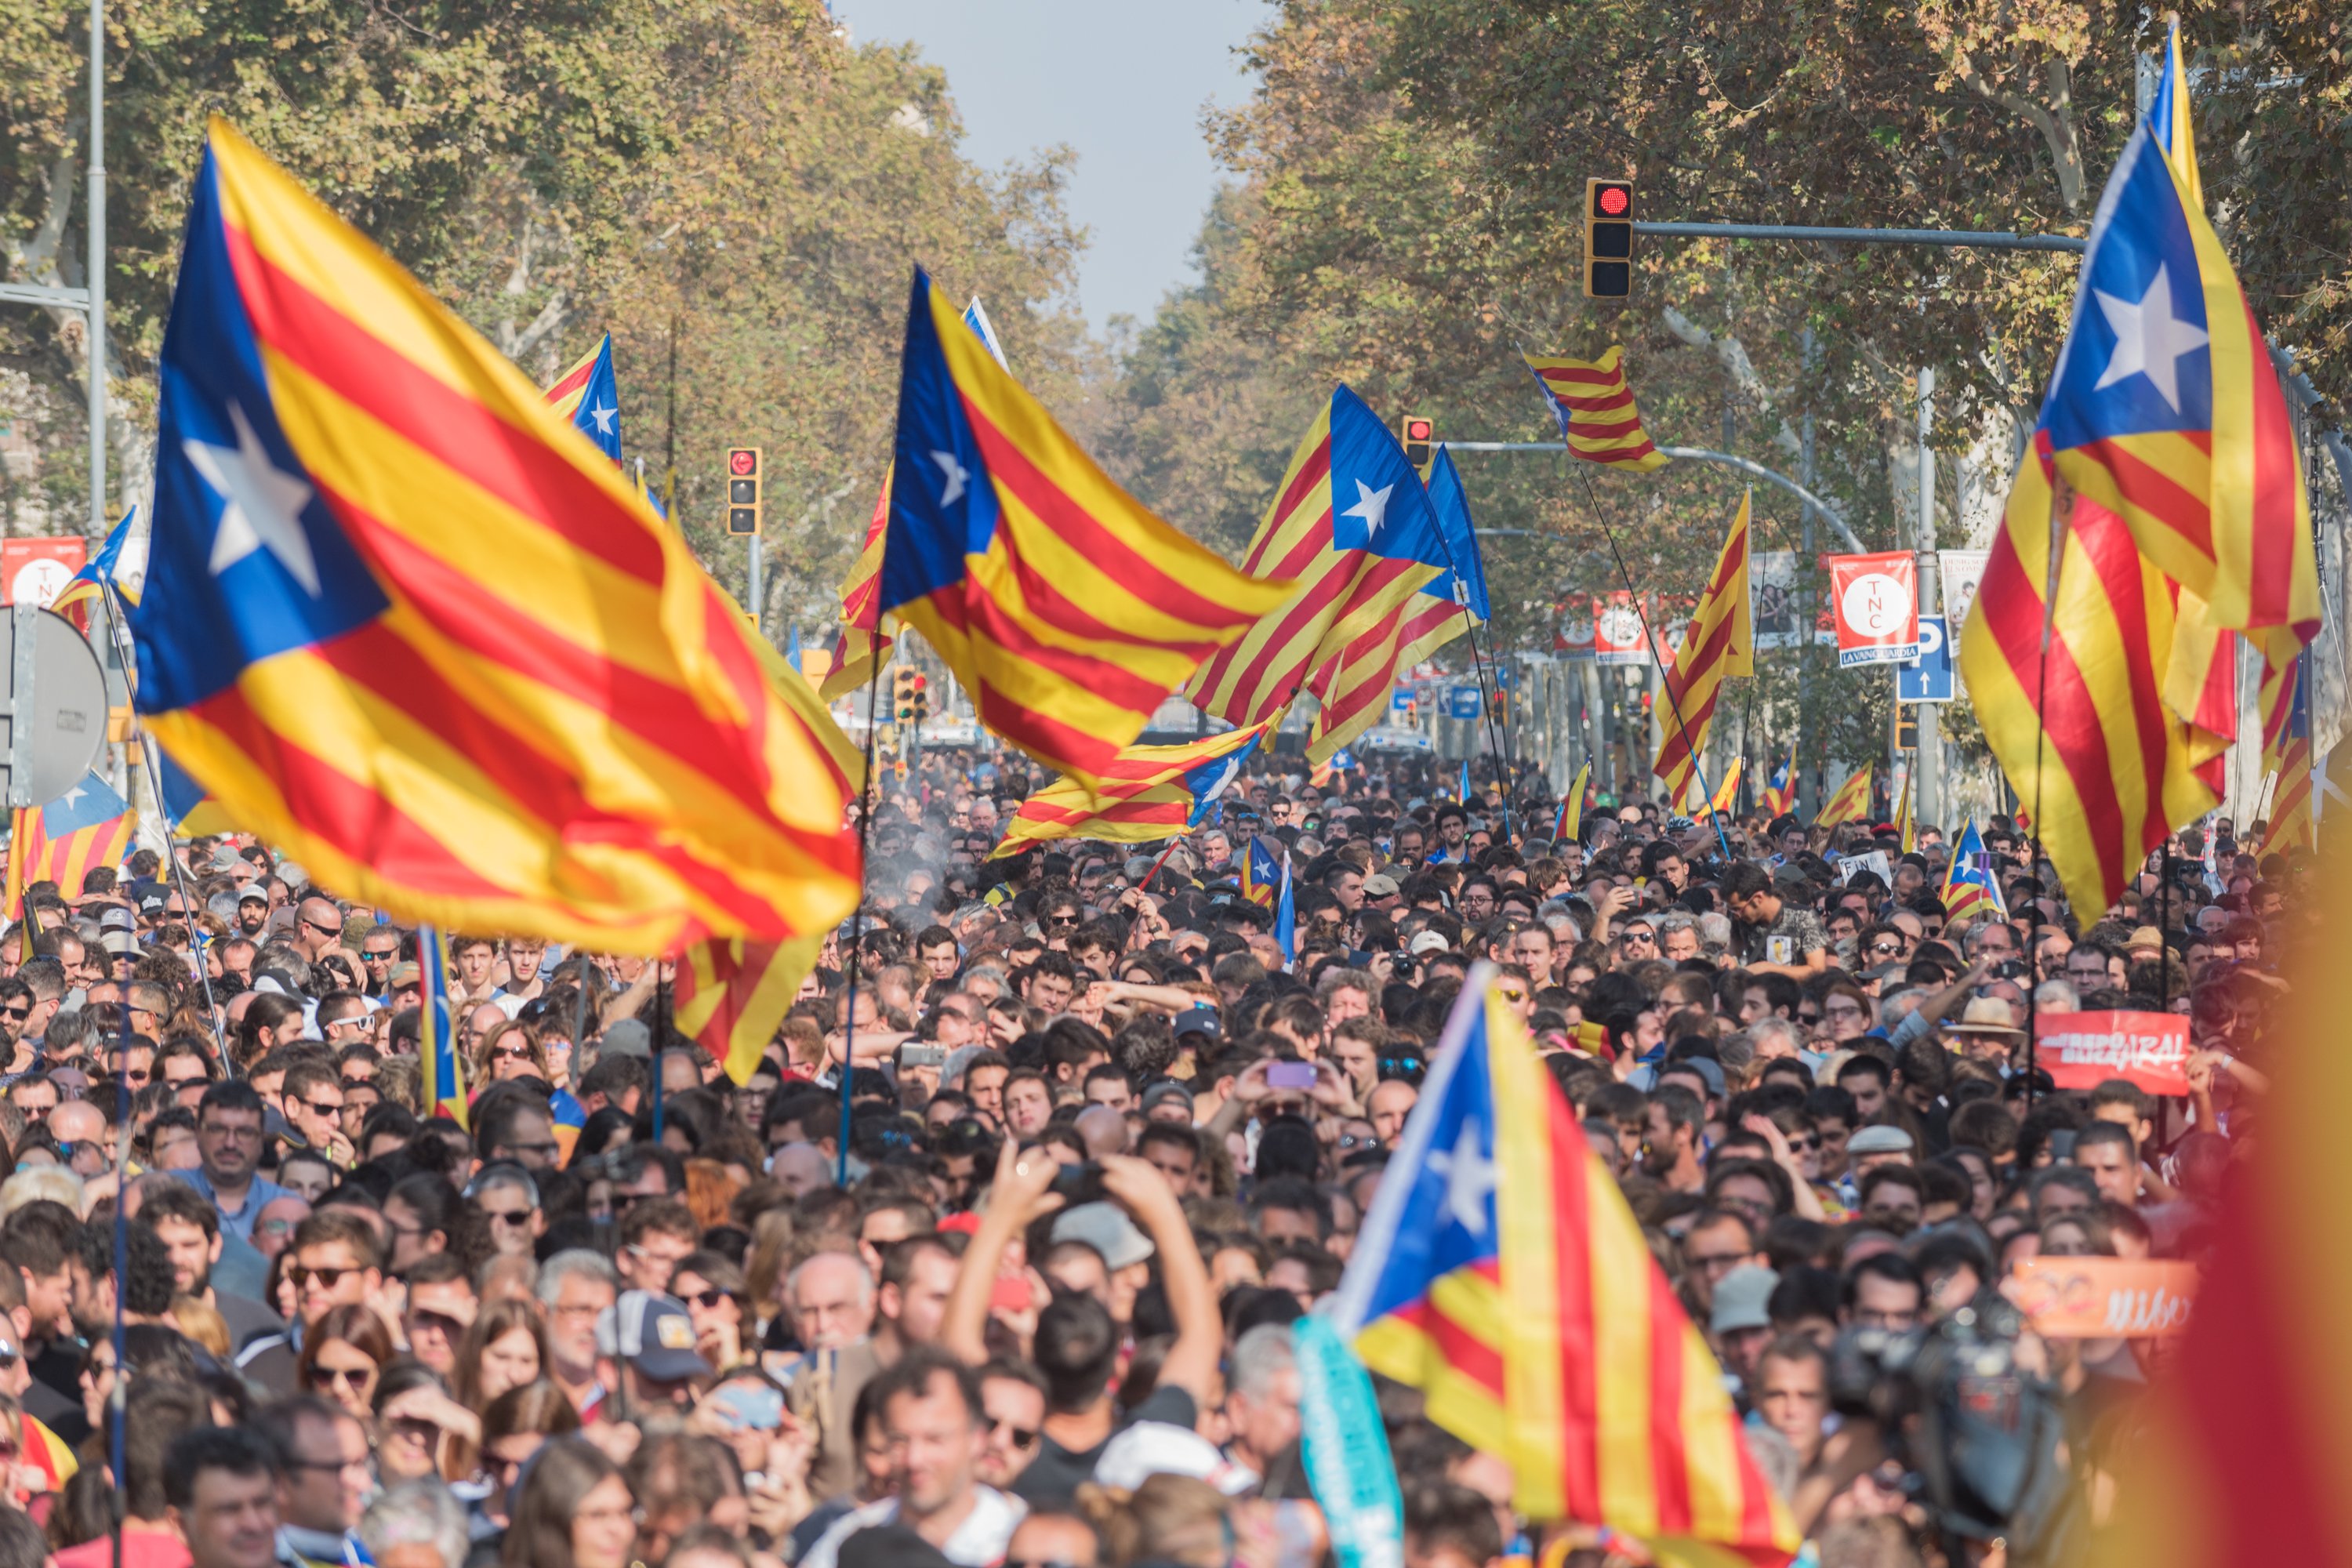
831,1302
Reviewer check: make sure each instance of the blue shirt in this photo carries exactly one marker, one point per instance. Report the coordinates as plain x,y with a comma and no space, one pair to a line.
240,1224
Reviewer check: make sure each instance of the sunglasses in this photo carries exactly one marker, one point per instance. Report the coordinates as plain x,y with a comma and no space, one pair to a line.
1024,1438
325,1278
516,1217
321,1108
343,1376
511,1053
323,931
18,1014
707,1299
386,956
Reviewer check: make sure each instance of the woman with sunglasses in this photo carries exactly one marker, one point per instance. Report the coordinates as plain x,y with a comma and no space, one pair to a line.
508,1050
714,1291
343,1354
505,1348
518,1424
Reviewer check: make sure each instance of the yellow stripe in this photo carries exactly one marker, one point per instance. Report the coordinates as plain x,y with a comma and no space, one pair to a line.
763,1012
1531,1232
1457,1404
1711,1455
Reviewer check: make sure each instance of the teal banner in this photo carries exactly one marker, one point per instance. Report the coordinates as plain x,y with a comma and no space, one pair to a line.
1347,1450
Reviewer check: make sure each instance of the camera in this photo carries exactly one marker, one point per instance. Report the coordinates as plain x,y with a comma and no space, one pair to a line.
1975,1433
1080,1183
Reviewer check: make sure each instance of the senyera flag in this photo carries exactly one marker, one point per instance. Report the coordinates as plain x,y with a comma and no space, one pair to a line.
1500,1272
1850,802
1147,792
1594,406
1719,645
404,625
1067,610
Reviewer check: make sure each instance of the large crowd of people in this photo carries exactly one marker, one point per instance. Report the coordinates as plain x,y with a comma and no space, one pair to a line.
1022,1291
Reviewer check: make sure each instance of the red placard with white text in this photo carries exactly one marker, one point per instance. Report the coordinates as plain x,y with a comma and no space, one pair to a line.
1617,632
2082,1050
36,570
1877,599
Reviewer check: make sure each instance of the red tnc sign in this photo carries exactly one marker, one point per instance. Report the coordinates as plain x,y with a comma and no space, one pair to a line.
1876,600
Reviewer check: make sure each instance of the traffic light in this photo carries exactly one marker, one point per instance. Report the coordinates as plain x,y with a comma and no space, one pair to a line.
904,684
1907,730
1608,239
923,698
1420,435
743,490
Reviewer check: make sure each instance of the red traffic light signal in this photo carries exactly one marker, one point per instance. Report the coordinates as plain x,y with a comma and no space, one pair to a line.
743,499
1419,433
743,460
1608,239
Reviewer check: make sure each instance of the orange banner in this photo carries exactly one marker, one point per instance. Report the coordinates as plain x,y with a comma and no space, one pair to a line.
2104,1298
2082,1050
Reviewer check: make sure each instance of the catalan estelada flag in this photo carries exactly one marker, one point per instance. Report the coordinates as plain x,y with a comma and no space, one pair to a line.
1906,835
2085,740
1401,614
1352,529
1594,406
437,1044
1500,1272
88,826
105,569
1286,919
1261,873
405,627
1780,790
1718,646
2286,754
589,396
190,811
1850,802
2165,410
1066,610
1971,888
1147,792
862,648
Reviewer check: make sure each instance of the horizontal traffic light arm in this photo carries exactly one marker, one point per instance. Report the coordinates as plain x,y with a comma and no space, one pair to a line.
1946,238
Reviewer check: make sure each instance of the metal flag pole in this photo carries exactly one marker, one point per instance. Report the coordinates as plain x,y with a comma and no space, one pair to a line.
1650,635
869,794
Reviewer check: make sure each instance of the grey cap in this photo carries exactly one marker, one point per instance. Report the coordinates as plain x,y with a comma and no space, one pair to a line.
1106,1228
1879,1141
1741,1299
629,1037
1167,1091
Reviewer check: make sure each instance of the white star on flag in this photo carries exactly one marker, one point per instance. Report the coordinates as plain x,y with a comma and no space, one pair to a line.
2149,339
603,418
1372,505
1469,1179
956,475
265,504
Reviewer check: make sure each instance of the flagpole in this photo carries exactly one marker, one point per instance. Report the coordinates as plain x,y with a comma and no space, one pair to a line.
1470,634
118,629
1649,634
2053,569
869,794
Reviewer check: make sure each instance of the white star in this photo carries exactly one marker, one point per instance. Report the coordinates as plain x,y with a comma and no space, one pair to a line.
603,418
1469,1180
1372,505
73,797
265,504
956,475
2149,339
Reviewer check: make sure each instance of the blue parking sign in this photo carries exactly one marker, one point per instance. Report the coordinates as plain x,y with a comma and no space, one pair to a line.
1462,702
1928,677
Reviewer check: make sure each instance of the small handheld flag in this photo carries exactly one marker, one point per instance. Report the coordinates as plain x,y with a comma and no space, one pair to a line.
105,569
1286,919
1970,887
1850,802
1781,795
730,998
1261,872
437,1041
63,841
1570,821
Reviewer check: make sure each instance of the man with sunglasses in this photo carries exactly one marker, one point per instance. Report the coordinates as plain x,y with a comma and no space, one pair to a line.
379,951
318,926
313,1100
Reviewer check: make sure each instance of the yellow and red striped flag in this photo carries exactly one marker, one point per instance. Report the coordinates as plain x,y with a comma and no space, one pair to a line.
1594,406
1400,617
63,841
1148,793
1726,799
1066,609
2089,739
1906,832
2164,409
2286,754
1500,1272
862,648
406,625
1717,645
1355,531
1850,802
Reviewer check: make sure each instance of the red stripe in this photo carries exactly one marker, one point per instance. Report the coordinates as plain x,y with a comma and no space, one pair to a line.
1629,455
1620,397
2115,559
463,434
1669,1464
1585,374
1605,429
2156,492
1041,735
2277,526
1302,612
1463,1351
1155,583
2070,722
1571,1199
978,613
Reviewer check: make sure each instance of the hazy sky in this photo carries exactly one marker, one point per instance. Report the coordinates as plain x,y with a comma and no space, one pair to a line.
1122,83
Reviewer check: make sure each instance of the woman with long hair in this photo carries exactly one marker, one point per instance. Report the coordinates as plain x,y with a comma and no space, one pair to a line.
343,1354
505,1348
508,1050
574,1510
713,1290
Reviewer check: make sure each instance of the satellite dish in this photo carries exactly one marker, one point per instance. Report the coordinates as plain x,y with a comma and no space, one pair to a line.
54,720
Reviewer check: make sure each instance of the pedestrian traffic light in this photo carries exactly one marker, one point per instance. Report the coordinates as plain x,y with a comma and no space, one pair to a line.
903,685
1608,239
743,490
1420,435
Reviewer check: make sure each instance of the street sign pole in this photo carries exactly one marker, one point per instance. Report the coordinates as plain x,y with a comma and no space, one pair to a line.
1929,797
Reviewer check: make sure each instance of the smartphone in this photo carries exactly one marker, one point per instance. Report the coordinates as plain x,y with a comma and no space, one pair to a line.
1290,1075
748,1406
921,1056
1080,1183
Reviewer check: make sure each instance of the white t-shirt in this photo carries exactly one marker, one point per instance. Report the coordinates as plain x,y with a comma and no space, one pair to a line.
978,1542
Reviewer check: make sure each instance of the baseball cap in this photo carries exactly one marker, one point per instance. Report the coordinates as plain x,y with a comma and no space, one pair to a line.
628,1037
1879,1141
119,918
1378,886
253,895
1198,1020
1105,1227
1151,1448
1167,1093
654,1333
1741,1298
1427,942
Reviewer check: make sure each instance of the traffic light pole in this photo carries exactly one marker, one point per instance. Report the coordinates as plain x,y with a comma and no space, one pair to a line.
1945,238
